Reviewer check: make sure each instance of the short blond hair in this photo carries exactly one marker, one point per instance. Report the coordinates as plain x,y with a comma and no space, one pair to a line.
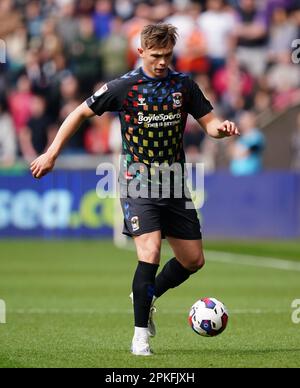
159,36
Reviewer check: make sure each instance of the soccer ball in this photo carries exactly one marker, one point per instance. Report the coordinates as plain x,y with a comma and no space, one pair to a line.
208,317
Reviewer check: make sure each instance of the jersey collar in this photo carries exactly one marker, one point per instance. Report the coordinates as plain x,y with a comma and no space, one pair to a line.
155,78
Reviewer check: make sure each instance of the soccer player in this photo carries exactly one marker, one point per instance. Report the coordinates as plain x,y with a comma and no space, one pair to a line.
153,102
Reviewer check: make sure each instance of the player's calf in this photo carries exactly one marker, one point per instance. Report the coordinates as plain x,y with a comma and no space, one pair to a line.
173,274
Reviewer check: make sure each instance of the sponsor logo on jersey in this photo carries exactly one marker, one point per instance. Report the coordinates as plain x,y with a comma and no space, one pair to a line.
150,118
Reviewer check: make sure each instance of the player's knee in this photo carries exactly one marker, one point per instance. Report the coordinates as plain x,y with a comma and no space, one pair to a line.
197,263
152,255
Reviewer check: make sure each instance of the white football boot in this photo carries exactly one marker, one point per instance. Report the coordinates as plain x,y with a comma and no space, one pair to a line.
151,324
140,345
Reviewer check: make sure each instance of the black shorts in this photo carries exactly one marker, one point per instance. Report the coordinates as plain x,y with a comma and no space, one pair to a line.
170,216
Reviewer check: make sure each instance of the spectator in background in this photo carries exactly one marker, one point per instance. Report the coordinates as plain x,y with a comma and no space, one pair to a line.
103,18
162,9
67,23
20,101
8,144
282,32
183,18
68,89
85,55
233,85
113,51
124,9
284,80
34,19
192,58
251,35
273,5
296,18
16,43
295,146
36,136
246,152
132,30
10,18
217,24
262,102
85,7
33,70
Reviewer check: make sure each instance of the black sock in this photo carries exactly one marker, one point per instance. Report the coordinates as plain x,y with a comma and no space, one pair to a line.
171,276
143,291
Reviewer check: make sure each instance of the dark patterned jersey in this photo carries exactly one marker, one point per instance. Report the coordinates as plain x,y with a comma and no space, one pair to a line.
153,114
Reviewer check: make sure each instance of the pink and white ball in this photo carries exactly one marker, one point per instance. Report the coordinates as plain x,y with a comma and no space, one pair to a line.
208,317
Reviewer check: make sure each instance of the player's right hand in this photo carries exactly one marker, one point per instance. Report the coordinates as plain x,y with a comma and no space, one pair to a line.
42,166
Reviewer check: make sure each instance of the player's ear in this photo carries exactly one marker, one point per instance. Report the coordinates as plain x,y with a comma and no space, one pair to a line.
141,51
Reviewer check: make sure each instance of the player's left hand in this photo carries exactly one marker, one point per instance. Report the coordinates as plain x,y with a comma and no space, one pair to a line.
228,128
42,166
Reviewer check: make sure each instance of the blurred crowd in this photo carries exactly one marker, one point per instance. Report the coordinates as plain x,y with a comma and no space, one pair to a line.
58,52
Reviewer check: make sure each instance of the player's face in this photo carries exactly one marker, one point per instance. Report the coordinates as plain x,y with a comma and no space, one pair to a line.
156,61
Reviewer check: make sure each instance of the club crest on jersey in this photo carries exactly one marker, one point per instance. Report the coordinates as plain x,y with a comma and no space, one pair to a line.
135,223
177,100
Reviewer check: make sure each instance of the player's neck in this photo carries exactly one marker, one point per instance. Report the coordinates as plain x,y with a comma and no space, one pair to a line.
153,76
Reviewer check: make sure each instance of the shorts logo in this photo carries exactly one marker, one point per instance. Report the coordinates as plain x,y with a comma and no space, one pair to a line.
135,223
101,91
177,100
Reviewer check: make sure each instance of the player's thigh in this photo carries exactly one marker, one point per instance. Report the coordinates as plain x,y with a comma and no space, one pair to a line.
148,247
180,220
188,252
141,216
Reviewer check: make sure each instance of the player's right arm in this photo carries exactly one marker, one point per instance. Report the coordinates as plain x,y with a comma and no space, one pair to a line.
46,162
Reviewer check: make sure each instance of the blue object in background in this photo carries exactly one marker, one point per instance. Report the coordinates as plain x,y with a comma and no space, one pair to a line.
65,204
266,205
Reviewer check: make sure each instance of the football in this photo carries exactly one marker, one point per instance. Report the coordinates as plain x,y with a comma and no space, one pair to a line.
208,317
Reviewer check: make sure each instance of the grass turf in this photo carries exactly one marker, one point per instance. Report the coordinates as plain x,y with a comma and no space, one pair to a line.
68,306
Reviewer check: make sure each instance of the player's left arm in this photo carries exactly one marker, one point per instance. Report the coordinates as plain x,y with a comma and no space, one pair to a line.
216,128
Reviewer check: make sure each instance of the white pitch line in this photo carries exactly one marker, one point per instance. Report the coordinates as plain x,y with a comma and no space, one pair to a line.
254,261
239,259
37,311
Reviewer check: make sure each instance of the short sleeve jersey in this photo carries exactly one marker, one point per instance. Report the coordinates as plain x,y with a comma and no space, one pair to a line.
153,114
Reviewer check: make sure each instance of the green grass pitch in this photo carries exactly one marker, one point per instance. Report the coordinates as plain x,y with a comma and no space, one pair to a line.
68,306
